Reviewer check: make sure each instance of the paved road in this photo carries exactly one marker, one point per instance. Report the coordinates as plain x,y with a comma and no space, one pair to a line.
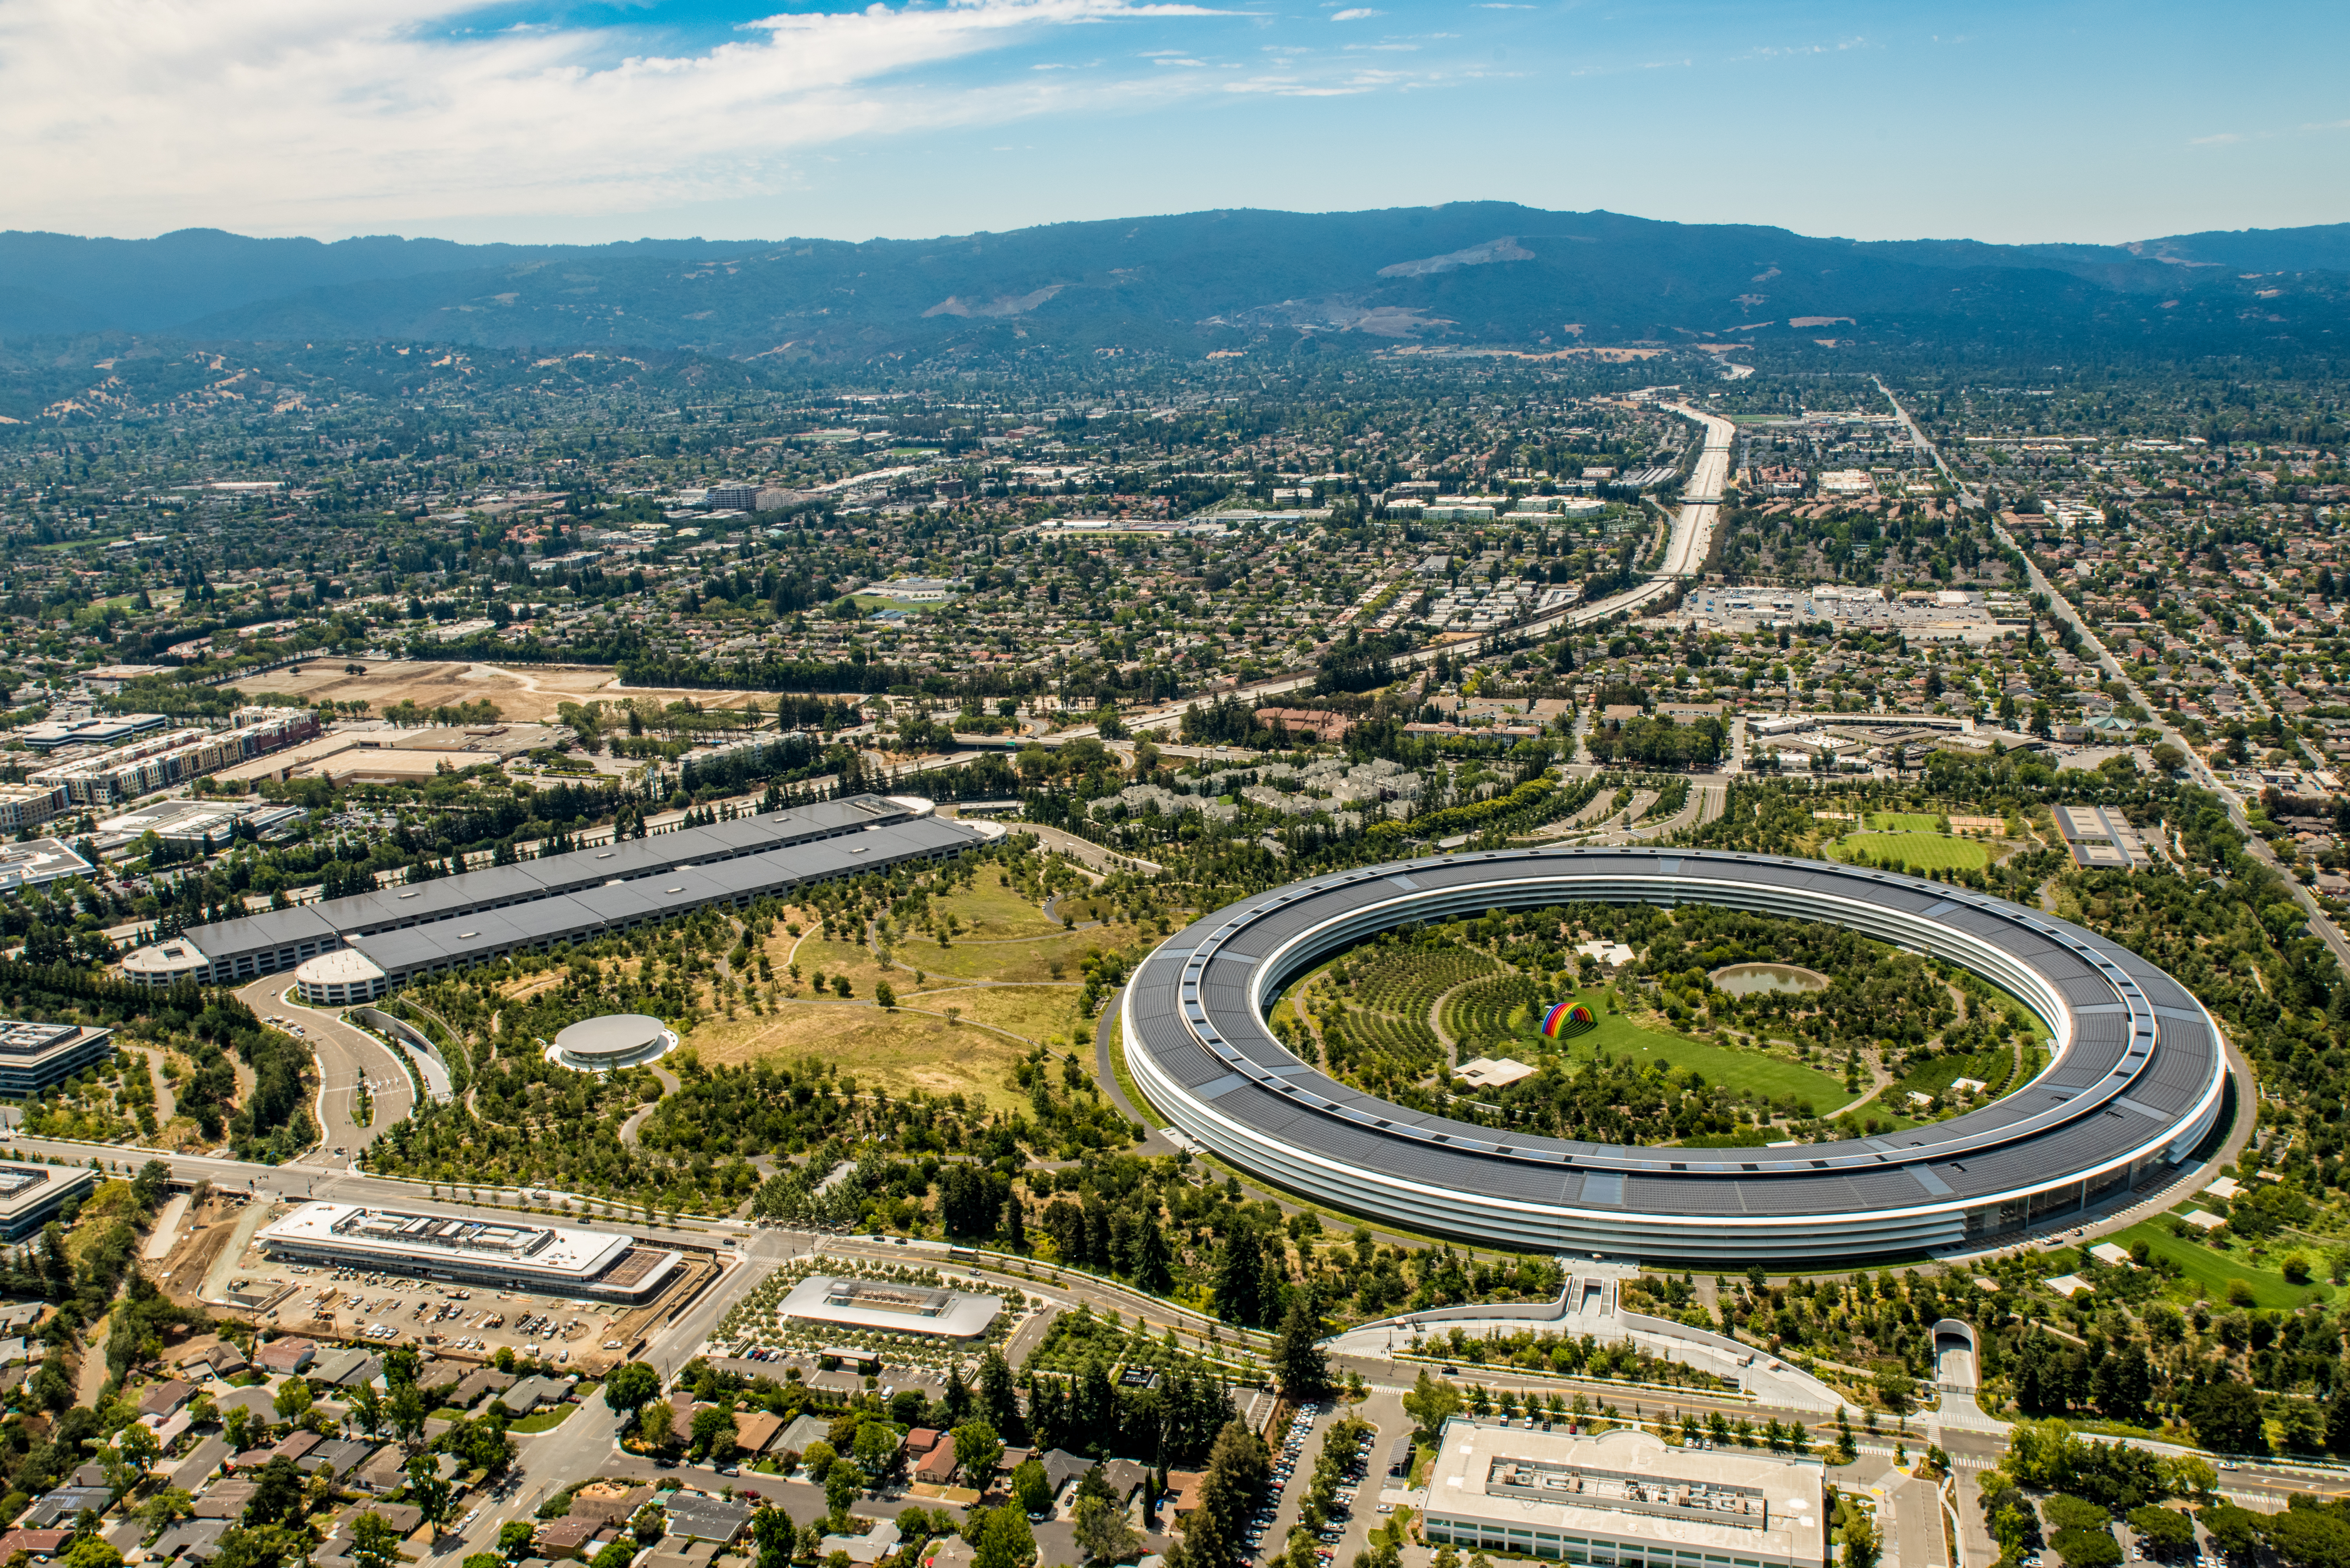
1684,554
347,1058
2198,769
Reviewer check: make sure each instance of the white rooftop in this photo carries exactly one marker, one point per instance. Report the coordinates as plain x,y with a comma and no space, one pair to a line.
412,1238
1491,1073
888,1304
1631,1486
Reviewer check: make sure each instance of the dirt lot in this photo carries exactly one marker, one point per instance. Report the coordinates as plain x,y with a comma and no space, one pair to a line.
530,693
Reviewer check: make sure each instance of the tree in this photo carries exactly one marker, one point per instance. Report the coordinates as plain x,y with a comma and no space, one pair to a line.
515,1538
1239,1278
629,1387
1238,1469
2227,1415
653,1424
2164,1529
1031,1487
1000,1538
375,1544
137,1447
1297,1358
276,1494
2310,1537
877,1447
842,1485
366,1406
293,1398
1862,1547
408,1413
91,1550
977,1449
1431,1402
434,1499
772,1531
2234,1531
714,1432
1102,1532
999,1399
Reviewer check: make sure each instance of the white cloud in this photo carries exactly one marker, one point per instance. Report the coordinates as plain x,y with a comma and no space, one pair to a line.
277,115
1355,14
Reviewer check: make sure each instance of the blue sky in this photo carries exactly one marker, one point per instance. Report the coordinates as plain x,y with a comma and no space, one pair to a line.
2088,121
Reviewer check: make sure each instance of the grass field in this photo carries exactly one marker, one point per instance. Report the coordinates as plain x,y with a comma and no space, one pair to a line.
1931,851
1904,822
1735,1069
2212,1270
899,1050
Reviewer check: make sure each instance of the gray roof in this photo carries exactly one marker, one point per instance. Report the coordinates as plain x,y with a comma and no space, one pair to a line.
201,1461
60,1506
711,1518
529,1393
478,915
2143,1056
344,1368
198,1538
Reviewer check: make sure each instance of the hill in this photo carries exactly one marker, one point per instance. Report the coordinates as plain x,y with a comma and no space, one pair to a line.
1477,273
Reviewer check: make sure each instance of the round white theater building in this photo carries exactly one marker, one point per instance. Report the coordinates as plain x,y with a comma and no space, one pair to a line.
617,1040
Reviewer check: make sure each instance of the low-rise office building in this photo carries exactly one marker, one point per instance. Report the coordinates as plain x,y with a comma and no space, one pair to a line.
886,1304
495,1254
1624,1498
31,1195
38,1056
378,941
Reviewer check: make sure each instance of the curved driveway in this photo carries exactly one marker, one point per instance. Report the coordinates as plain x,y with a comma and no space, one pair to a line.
347,1057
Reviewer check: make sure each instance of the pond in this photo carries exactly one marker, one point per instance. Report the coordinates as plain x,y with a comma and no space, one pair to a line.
1753,979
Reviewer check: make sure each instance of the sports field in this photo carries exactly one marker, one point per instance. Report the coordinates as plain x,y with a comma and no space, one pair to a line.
1926,851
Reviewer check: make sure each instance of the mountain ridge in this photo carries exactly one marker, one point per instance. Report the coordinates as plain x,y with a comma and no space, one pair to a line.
1464,273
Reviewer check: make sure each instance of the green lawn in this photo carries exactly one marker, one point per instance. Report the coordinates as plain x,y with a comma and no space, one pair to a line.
2211,1268
1931,851
1736,1069
542,1420
1905,821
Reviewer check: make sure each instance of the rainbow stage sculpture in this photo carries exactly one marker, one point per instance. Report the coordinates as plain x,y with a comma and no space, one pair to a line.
1566,1019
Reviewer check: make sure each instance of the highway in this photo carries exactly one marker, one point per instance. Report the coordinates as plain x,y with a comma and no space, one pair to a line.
1685,552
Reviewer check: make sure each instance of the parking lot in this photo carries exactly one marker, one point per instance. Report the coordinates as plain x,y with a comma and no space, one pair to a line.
1298,1449
384,1309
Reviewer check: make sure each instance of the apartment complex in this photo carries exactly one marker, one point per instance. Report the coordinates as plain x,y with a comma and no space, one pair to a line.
159,761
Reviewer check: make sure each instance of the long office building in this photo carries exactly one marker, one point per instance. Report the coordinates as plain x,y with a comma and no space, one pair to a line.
1623,1498
351,950
161,761
2137,1075
496,1254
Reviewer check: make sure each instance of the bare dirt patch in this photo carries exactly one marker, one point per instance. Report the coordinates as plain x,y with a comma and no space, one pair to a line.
526,693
